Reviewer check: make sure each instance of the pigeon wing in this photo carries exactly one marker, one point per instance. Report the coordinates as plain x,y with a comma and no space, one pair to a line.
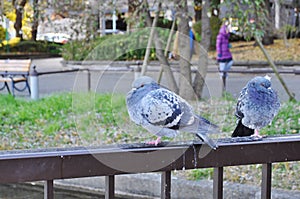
239,112
164,108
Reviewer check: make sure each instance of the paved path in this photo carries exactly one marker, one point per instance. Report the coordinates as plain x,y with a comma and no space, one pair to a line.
120,82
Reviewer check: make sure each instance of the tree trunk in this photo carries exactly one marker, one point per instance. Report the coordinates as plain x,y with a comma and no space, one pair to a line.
160,53
199,80
268,38
277,14
19,7
185,88
198,9
35,22
274,67
167,49
147,54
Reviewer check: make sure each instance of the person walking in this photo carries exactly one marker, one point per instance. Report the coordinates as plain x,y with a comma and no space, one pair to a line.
192,39
224,56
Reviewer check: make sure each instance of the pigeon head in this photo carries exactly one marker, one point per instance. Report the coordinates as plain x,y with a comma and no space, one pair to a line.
260,84
143,81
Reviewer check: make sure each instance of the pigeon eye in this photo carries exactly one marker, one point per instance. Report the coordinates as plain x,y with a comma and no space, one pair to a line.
262,84
142,86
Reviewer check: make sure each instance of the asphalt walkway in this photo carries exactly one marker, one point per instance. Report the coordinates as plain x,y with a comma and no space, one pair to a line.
119,80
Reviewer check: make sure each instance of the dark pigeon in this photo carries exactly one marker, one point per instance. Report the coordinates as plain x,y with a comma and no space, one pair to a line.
257,105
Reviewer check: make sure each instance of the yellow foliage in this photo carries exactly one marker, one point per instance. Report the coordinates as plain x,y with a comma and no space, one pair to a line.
26,21
11,16
12,42
26,32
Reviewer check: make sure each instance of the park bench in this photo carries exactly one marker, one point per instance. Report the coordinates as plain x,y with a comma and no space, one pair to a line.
14,72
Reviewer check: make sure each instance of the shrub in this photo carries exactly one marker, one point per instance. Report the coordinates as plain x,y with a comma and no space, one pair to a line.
197,30
76,50
28,46
130,46
214,25
111,47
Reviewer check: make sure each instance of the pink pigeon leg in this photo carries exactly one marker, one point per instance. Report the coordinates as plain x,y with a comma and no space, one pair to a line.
155,142
256,134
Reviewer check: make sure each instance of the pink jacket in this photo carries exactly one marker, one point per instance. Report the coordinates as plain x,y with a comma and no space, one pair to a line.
222,45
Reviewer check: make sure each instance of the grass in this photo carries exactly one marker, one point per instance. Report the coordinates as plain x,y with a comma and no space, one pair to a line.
64,120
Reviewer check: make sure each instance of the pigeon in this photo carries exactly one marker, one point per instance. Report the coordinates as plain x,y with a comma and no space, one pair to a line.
257,105
164,113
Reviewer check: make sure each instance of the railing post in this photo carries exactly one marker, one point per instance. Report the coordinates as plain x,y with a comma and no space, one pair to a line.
137,70
166,185
88,80
34,84
109,187
266,181
218,183
48,189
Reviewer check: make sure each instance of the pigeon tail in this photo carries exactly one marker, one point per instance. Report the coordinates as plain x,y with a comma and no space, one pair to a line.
241,130
207,140
202,127
205,126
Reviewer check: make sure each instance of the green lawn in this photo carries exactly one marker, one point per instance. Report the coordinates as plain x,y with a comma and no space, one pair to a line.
92,119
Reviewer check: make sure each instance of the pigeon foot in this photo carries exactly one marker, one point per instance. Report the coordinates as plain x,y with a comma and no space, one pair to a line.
155,142
256,134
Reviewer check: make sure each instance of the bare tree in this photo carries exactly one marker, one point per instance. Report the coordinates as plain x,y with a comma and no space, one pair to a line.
205,44
185,88
19,8
268,37
159,51
35,22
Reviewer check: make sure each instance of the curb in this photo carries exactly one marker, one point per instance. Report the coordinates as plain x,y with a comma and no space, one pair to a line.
256,64
144,186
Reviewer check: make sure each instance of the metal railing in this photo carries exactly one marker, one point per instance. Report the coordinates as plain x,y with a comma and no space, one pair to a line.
51,164
34,79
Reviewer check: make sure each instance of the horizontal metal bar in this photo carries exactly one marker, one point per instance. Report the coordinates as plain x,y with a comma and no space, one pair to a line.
59,71
47,164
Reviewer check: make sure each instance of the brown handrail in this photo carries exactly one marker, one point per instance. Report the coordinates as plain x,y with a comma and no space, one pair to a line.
52,164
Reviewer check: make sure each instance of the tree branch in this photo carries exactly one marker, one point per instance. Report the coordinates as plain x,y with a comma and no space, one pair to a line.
274,67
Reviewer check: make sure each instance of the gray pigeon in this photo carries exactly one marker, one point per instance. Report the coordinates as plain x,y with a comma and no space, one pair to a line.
257,105
164,113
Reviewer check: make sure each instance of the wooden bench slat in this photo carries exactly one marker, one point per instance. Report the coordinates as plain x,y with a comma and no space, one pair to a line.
10,71
15,61
15,79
